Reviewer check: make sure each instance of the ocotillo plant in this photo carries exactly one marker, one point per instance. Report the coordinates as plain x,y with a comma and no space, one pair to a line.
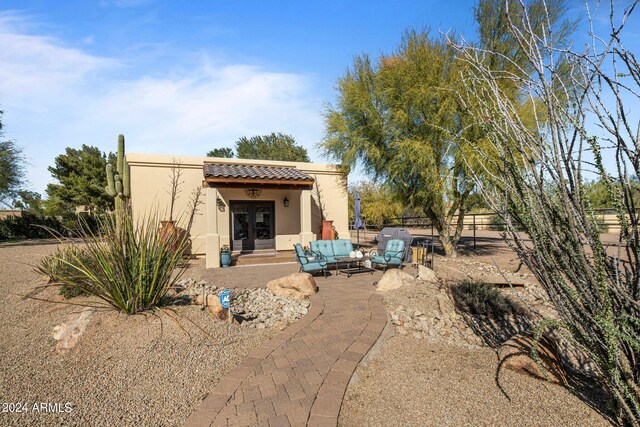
119,183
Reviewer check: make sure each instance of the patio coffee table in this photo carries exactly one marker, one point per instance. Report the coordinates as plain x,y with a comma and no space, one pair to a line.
354,265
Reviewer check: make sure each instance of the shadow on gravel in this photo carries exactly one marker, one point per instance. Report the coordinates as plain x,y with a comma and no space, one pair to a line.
590,392
494,332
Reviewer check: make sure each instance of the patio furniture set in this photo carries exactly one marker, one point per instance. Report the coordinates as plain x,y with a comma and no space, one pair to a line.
340,253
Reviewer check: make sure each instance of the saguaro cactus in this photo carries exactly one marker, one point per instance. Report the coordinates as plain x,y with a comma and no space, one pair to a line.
119,182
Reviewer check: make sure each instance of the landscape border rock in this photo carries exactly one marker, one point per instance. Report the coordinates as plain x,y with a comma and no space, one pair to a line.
515,355
394,278
212,302
68,333
426,274
254,308
296,285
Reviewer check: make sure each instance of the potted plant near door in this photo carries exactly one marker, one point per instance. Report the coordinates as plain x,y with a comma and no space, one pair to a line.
327,230
225,256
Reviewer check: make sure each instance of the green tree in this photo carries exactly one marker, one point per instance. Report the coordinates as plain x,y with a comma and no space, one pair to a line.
29,201
12,172
405,117
597,192
275,146
376,203
82,176
224,152
400,119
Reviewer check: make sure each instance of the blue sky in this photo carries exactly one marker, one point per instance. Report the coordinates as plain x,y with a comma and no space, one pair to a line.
185,77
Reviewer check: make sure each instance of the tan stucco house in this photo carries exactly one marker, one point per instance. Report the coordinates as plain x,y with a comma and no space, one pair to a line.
250,205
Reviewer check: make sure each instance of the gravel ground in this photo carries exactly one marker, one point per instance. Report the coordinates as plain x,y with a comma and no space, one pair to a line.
411,382
439,382
124,370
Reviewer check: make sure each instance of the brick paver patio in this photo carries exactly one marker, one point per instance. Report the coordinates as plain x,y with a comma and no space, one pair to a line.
300,376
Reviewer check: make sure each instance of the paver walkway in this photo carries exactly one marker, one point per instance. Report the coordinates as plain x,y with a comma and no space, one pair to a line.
300,377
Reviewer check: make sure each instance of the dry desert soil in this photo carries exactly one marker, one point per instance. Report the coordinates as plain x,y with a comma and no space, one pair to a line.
154,369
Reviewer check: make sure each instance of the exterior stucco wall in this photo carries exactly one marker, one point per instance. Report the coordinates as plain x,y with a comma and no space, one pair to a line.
150,186
150,183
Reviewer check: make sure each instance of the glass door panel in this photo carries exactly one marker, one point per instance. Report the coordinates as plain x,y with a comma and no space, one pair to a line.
252,225
241,227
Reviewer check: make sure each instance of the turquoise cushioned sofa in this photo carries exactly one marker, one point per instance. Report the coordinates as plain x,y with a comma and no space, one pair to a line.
332,249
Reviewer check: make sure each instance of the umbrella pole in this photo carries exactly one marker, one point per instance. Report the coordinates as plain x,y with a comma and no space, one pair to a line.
358,236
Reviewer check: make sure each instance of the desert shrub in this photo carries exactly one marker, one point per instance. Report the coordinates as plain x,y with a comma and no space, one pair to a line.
33,226
569,120
29,226
483,299
57,267
129,268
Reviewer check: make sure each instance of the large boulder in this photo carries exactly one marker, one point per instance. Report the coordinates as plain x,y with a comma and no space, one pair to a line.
212,302
426,274
515,355
393,279
296,285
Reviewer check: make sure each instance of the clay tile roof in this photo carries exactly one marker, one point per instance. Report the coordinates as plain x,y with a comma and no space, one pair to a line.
253,172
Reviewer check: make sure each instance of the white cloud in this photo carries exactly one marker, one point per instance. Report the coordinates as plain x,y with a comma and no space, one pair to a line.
56,96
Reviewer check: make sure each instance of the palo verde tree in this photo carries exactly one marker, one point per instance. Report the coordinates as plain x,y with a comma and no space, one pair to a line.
537,183
376,202
399,118
11,169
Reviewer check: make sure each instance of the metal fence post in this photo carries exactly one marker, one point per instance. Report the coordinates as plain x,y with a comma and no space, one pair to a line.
474,231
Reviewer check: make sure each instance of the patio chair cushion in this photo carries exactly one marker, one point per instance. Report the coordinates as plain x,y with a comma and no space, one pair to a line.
332,249
394,249
313,266
379,259
342,247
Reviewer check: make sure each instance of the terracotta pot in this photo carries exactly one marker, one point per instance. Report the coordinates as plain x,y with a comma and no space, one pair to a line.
327,229
169,234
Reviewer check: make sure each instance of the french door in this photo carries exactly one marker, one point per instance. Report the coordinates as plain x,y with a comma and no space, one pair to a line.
252,225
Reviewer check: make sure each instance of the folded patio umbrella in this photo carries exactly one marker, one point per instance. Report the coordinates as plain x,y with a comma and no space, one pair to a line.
357,222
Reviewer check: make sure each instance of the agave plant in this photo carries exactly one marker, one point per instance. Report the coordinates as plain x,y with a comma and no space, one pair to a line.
130,270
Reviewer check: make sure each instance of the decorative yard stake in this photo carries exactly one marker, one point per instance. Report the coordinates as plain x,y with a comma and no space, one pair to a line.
119,183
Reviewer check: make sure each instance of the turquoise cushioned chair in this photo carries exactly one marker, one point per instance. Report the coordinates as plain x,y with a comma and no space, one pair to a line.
393,254
310,263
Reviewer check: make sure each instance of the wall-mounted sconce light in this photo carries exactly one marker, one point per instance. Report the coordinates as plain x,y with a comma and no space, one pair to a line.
286,202
220,204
